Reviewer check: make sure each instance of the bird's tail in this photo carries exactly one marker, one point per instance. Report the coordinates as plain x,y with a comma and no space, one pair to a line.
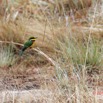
21,53
22,50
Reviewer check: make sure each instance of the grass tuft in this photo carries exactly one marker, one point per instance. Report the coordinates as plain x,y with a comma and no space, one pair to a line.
7,57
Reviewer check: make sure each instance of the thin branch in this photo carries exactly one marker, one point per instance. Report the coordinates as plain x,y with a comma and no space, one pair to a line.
46,56
8,42
37,50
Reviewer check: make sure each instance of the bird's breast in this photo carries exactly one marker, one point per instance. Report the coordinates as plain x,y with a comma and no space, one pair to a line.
33,44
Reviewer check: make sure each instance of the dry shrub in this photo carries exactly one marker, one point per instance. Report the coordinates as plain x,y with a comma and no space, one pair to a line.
6,56
11,31
75,7
79,4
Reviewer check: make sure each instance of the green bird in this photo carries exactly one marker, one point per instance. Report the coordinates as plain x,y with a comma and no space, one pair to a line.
29,43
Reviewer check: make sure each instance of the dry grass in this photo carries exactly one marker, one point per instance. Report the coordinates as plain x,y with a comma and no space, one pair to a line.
67,62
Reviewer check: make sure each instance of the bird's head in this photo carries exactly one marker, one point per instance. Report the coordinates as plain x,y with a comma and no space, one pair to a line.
32,38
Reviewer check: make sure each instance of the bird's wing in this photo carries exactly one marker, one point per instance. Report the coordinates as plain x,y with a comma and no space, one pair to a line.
28,44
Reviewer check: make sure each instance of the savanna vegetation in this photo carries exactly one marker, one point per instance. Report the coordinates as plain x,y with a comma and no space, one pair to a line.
66,63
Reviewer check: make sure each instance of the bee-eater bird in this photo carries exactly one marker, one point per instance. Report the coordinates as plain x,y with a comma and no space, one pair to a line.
29,43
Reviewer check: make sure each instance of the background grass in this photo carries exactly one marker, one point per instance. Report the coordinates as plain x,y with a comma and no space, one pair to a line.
67,63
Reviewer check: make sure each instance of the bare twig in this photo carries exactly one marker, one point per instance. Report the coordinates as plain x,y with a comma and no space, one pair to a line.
46,56
37,50
8,42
